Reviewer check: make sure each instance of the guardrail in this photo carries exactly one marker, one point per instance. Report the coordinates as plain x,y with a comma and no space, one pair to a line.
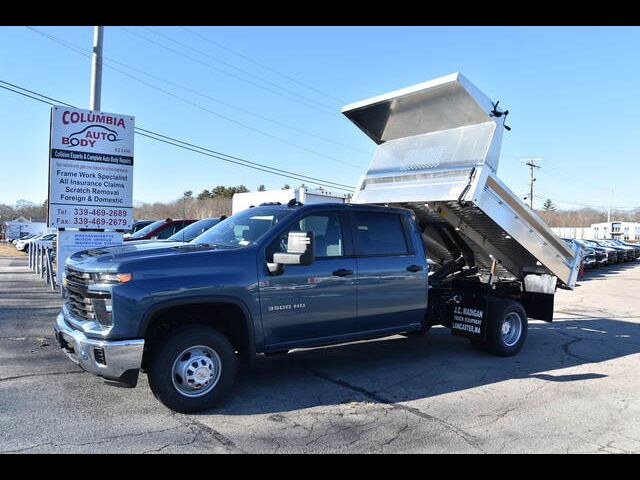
41,263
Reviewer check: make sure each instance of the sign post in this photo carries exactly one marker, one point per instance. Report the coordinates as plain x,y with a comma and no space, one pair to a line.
90,177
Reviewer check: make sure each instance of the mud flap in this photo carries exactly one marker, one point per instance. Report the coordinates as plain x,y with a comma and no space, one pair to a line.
469,312
538,305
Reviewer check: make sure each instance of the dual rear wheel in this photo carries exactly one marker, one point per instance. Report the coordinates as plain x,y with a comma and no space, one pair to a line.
507,328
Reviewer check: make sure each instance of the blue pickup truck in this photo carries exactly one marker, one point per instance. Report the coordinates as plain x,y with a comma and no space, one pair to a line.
431,237
266,280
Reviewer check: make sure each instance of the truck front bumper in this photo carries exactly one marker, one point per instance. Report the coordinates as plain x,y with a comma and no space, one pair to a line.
118,360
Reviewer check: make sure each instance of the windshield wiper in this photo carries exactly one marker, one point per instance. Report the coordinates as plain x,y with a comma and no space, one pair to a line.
196,245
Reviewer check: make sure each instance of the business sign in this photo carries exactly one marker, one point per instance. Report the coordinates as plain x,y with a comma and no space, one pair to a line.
90,169
469,317
72,241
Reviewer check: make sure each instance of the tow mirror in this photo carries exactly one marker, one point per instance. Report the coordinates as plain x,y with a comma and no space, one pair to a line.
300,251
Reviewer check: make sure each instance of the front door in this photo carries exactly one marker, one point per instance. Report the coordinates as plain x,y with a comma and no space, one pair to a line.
309,303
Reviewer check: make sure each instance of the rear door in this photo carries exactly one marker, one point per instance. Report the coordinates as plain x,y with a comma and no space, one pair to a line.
391,287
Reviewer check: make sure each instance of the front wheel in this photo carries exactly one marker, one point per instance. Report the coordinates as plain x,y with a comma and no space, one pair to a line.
506,328
193,369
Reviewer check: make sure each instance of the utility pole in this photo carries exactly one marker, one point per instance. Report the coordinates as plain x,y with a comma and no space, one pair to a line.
531,163
96,69
610,205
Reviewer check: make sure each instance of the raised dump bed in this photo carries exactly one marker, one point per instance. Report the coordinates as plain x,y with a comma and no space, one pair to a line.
439,147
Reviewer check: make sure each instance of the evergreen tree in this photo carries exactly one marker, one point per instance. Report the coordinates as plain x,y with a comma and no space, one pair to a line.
549,206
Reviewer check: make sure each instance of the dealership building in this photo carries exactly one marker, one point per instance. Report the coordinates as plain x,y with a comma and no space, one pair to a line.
598,231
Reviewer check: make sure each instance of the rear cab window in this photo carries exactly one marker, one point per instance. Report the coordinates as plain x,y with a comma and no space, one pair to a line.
379,234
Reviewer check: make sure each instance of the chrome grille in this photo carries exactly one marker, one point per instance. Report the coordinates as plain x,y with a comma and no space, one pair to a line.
77,300
77,278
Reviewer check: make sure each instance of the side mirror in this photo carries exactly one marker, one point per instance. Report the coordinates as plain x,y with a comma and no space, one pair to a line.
155,237
300,251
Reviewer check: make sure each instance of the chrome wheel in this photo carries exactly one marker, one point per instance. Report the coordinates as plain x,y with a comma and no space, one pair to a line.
196,371
511,329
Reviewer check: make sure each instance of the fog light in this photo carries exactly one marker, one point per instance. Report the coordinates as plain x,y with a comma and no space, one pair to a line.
98,354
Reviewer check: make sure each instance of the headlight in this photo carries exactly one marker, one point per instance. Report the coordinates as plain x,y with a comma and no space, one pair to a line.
114,277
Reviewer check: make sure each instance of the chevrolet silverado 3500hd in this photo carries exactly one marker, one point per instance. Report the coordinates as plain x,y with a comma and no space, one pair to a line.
278,277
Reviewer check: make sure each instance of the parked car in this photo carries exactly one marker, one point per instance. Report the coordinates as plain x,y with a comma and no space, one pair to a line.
628,253
46,241
612,254
602,257
23,245
160,230
190,232
186,234
635,246
588,253
139,225
23,236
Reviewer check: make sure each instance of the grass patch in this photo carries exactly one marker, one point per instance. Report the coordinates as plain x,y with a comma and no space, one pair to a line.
8,250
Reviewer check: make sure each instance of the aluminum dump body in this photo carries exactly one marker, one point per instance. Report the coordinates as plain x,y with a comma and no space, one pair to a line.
439,147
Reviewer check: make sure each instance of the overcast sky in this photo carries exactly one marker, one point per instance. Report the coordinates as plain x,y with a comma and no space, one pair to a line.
573,96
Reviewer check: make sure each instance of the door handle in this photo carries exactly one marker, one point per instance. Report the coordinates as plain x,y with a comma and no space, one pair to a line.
343,272
415,268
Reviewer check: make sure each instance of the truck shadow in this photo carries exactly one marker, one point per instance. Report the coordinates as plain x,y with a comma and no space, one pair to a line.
399,369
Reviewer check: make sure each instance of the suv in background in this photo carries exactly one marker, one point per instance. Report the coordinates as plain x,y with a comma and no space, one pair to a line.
602,257
588,253
627,253
635,246
160,230
612,253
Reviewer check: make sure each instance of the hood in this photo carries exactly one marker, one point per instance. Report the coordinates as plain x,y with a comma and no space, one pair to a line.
108,258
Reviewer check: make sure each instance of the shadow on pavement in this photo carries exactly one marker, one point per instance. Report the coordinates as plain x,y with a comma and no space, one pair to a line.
600,272
398,369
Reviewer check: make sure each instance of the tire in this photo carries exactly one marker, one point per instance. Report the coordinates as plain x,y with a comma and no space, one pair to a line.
173,380
499,342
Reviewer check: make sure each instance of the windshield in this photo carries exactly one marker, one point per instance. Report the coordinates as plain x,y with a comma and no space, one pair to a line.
192,231
143,232
243,228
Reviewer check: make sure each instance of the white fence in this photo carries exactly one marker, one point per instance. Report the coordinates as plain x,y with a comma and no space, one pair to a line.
41,258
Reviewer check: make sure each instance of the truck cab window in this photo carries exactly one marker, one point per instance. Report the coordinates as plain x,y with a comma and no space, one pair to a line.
379,234
327,231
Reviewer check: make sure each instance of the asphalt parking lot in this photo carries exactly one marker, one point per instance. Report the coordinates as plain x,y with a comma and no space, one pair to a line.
574,388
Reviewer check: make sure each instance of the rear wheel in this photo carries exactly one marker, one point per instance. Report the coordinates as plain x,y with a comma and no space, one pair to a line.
193,369
506,328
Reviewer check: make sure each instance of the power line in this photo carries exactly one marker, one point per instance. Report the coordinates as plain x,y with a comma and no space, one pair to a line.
84,53
209,65
185,145
262,65
230,65
583,204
